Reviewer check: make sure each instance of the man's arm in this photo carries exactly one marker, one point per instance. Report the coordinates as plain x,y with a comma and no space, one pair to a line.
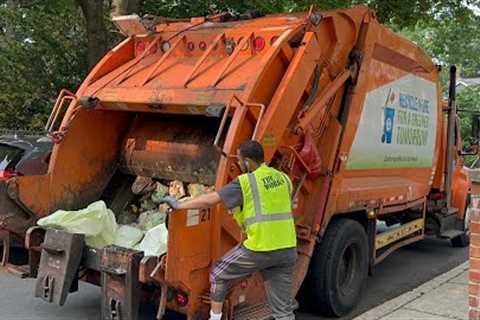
231,195
201,202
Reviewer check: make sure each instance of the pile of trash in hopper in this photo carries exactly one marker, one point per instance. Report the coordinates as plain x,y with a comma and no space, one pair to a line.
140,226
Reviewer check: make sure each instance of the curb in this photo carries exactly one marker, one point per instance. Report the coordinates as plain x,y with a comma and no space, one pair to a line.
397,303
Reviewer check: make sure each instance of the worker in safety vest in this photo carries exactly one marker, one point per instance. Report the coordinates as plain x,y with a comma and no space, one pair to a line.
260,200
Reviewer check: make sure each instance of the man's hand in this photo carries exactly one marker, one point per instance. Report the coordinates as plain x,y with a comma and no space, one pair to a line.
170,201
201,202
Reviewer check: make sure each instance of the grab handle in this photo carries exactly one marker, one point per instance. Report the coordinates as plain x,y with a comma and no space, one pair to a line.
223,122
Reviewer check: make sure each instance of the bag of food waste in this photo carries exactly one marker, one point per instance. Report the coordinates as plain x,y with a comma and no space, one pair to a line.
128,236
154,242
150,219
161,191
96,222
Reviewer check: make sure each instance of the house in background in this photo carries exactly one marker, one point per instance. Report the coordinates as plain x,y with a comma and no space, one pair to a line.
463,83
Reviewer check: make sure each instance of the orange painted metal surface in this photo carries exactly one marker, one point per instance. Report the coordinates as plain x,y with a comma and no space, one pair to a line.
149,105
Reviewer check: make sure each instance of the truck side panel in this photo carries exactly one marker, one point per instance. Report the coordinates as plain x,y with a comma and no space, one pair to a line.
389,152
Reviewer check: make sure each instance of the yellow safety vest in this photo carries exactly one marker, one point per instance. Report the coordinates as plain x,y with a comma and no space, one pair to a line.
266,215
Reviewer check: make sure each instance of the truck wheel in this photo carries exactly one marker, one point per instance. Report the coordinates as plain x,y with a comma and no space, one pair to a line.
460,241
463,240
338,269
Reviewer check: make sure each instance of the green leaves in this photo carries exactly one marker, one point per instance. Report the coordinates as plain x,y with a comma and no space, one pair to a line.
468,99
397,13
42,50
43,44
453,41
450,41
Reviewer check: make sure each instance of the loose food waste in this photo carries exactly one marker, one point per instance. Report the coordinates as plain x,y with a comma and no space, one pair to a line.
141,225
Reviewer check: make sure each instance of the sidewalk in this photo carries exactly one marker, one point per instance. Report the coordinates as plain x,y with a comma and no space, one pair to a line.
443,298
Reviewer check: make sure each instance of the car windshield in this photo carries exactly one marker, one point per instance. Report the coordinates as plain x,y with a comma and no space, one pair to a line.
9,156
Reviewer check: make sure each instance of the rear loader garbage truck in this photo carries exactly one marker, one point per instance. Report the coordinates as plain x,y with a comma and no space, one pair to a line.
351,111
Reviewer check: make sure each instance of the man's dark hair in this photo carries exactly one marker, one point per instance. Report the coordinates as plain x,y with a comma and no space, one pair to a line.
253,150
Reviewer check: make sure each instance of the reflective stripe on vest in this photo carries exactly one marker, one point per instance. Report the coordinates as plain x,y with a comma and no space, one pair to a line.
259,217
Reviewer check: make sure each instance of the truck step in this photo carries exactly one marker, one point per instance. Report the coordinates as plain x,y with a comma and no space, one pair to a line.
450,234
249,312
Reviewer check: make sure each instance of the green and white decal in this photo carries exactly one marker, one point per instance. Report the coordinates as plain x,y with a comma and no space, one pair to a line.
398,126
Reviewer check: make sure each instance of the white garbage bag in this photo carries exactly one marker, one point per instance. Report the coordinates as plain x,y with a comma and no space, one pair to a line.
128,236
96,222
154,242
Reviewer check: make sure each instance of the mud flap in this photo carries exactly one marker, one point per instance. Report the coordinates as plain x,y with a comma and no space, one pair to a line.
58,270
120,283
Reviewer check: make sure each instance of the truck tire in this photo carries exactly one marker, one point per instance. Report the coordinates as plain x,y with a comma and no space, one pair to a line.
460,241
338,269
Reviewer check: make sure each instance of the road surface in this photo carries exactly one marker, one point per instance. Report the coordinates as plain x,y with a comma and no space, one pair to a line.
400,272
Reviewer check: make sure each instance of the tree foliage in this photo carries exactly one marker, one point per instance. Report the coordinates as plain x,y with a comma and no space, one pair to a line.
468,103
454,41
398,13
450,41
42,49
51,44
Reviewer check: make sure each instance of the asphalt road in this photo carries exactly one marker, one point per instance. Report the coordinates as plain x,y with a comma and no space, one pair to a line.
400,272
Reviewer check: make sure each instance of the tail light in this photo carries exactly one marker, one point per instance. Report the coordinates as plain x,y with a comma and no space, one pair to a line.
259,43
6,174
243,284
154,49
140,47
181,299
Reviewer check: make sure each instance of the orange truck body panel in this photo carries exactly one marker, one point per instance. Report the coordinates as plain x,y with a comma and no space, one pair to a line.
152,85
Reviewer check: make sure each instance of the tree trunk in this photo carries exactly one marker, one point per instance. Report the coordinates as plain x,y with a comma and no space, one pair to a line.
125,7
97,33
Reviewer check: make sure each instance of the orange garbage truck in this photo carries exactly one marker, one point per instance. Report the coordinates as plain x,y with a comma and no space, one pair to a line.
351,111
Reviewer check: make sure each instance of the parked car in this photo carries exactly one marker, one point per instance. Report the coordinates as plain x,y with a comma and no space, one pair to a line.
24,154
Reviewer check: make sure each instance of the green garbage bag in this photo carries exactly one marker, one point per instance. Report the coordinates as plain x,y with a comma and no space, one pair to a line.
96,222
128,236
154,242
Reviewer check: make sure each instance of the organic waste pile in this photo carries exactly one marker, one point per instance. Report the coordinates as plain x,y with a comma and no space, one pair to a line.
140,226
146,211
